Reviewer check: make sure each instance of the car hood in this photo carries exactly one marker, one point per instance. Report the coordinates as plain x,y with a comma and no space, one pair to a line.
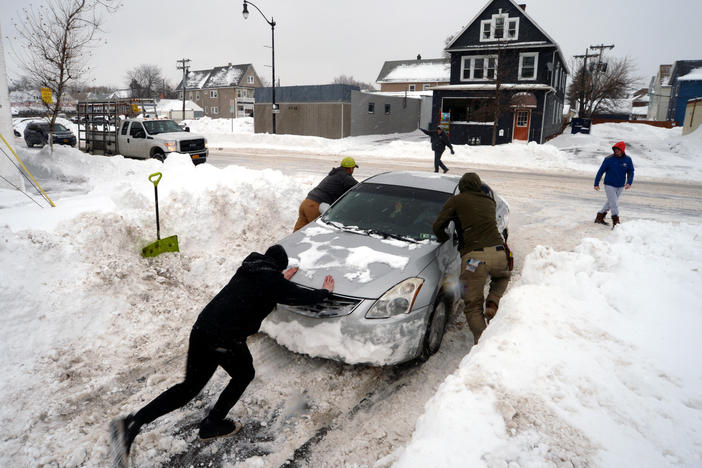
363,266
177,136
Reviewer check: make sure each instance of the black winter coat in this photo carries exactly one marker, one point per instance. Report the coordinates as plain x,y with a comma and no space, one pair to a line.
334,185
239,308
438,142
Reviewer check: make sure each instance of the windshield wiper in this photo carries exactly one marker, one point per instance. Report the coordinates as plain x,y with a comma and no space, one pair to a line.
391,235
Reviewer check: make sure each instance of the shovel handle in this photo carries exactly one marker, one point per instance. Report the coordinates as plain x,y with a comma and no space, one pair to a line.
155,178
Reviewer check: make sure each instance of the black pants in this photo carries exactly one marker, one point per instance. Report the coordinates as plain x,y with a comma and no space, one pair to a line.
202,362
437,161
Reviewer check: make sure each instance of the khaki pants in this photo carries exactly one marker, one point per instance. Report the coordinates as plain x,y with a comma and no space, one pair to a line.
477,267
308,212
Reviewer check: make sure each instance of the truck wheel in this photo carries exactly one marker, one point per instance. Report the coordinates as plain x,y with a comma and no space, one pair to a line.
158,154
436,327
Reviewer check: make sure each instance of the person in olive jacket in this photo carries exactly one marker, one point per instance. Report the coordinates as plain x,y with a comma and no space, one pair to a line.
218,338
439,142
619,175
482,249
335,184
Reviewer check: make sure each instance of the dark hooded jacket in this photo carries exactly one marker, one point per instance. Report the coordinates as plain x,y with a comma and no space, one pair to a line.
257,286
474,212
334,185
438,142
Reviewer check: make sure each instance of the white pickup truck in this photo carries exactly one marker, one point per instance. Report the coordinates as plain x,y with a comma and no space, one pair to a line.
155,138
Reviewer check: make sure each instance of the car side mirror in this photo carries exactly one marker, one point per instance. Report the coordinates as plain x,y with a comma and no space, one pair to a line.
187,129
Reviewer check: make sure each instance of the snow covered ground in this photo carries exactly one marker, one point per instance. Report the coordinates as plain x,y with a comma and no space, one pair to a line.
592,361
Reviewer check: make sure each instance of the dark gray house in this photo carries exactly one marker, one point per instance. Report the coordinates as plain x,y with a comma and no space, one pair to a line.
504,69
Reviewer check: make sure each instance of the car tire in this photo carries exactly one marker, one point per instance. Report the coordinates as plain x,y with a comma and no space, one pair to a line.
436,327
158,154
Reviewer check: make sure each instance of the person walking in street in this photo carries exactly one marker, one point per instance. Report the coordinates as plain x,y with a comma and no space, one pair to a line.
218,338
619,175
439,142
335,184
484,254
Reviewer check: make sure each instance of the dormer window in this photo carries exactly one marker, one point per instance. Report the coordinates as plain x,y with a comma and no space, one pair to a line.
499,28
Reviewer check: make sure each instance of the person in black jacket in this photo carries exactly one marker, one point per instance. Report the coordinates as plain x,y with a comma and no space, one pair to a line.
439,142
334,185
218,338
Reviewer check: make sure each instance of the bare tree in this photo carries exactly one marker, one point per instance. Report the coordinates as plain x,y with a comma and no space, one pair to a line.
597,88
343,79
53,41
146,81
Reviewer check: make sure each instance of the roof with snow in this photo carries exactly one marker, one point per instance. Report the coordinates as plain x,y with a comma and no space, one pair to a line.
415,71
227,76
695,74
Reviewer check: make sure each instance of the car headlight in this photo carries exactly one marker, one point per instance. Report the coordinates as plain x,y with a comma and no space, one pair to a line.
398,300
170,145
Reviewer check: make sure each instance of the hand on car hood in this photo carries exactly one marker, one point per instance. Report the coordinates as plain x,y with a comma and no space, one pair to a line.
362,265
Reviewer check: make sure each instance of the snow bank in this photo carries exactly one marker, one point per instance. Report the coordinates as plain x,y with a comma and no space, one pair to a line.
592,361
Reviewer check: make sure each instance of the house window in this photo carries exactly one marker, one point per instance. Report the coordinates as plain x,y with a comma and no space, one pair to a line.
213,93
478,68
426,87
371,108
387,109
527,65
499,28
190,95
250,79
214,110
412,87
469,109
197,95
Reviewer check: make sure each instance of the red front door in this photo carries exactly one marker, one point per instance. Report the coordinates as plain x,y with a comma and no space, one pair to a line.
522,119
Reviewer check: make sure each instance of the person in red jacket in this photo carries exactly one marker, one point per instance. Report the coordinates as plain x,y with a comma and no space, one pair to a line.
218,338
619,175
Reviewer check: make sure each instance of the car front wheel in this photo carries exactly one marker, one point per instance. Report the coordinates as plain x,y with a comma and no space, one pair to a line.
435,328
158,154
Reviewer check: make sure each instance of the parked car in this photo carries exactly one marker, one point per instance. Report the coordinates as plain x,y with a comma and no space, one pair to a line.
37,133
395,285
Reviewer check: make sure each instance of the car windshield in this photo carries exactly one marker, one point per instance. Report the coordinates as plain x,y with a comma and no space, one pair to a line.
388,210
57,127
154,127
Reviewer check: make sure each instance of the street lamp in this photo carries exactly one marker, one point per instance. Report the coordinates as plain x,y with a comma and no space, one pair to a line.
245,13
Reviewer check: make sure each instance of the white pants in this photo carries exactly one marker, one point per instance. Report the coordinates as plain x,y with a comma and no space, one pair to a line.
612,202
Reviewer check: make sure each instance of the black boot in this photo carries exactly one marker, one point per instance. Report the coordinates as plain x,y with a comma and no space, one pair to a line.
123,431
209,428
615,220
600,219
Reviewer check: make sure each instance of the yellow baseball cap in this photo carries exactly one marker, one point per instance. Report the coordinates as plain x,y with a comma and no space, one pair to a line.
348,161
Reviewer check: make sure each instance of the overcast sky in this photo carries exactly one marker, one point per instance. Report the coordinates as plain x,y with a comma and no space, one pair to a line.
318,40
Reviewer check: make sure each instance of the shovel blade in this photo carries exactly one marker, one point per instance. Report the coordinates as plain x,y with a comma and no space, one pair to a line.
169,244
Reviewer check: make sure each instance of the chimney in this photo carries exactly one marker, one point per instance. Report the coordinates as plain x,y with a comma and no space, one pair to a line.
230,64
419,57
522,6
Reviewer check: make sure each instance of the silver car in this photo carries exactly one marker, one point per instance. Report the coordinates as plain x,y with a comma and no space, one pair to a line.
394,283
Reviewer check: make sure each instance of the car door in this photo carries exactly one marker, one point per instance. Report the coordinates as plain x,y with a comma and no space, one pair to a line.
136,141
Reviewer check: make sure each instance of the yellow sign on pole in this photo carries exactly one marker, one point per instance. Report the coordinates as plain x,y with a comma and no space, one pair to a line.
135,108
46,95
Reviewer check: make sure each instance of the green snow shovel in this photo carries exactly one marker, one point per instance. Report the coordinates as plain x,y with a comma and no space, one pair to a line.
169,244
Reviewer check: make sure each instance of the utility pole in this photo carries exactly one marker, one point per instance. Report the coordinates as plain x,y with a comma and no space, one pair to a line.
582,80
183,66
598,67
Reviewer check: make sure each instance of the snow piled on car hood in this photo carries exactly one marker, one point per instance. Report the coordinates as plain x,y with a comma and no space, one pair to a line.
362,265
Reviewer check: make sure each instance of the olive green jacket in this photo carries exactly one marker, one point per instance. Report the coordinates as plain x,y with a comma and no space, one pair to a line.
474,214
